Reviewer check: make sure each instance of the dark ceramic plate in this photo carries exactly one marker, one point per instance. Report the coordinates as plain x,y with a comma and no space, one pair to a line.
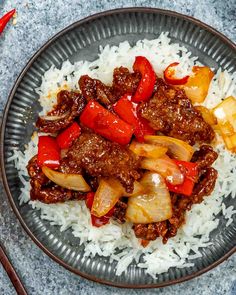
80,41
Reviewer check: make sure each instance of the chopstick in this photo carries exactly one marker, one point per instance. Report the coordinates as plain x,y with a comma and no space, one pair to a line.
20,289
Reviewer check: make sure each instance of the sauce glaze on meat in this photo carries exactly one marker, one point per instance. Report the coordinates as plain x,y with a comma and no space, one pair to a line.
69,106
125,82
170,111
99,157
95,89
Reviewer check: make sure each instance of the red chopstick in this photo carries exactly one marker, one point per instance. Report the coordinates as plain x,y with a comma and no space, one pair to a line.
20,289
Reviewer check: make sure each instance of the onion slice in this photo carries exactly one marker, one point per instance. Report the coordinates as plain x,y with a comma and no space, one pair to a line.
165,167
108,193
154,205
74,182
106,196
147,150
177,148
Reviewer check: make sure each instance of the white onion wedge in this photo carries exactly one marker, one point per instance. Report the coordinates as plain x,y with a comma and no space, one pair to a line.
177,148
74,182
154,205
106,196
165,167
108,193
147,150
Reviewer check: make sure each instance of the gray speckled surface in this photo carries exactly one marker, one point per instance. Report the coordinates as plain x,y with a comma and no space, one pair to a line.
38,21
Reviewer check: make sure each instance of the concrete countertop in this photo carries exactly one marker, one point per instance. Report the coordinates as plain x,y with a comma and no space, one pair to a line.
37,21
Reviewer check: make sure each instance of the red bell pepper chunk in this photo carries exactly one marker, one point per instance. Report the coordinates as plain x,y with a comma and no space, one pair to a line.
5,19
169,75
97,221
48,152
127,110
190,172
67,136
146,85
105,123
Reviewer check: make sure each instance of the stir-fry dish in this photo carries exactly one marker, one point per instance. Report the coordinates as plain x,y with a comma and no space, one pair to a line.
140,150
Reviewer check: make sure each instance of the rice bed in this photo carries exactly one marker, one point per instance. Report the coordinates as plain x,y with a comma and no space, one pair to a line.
115,240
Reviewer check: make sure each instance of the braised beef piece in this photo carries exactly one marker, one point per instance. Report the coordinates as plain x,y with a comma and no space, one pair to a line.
172,113
124,81
37,177
43,190
69,106
119,211
150,231
95,89
204,186
99,157
56,194
204,157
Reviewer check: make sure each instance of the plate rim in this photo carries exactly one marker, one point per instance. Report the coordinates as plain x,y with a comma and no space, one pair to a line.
78,23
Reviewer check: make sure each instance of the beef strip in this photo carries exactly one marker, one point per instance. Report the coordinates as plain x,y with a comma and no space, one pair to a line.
207,175
99,157
69,106
172,113
95,89
43,190
124,81
204,186
205,156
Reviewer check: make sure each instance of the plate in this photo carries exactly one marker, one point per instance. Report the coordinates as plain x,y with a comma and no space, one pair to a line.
81,41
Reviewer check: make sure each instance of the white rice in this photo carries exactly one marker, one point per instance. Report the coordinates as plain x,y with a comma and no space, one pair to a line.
118,241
